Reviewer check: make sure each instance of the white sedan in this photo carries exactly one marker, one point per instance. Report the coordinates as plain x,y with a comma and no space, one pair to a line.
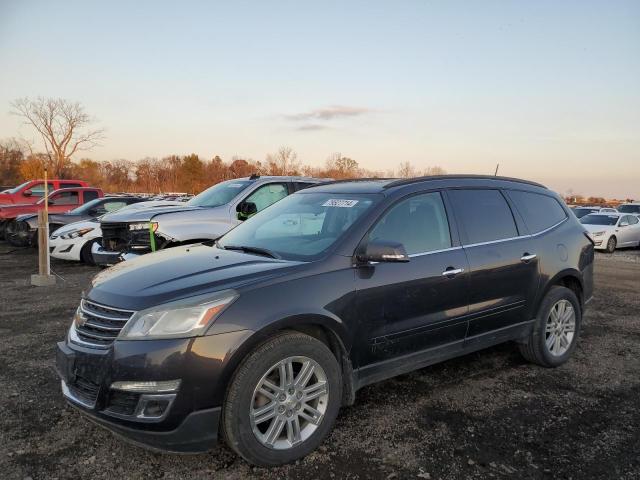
74,241
612,230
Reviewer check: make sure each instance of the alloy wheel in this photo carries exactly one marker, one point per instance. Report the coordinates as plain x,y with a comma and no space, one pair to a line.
560,328
289,402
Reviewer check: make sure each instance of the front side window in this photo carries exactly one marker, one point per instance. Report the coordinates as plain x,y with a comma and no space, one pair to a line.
419,223
65,198
219,194
539,211
483,215
633,220
38,189
301,226
267,195
113,206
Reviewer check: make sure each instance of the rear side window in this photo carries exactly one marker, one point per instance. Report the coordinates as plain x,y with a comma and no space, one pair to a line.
484,215
65,198
539,211
419,223
70,185
90,195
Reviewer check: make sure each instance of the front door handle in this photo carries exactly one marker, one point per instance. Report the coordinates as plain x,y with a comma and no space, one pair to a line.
527,257
452,272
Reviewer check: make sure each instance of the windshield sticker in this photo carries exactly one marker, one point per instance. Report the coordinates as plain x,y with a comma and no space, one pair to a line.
341,203
236,185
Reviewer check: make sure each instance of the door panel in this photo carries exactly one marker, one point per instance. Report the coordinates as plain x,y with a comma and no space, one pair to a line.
408,307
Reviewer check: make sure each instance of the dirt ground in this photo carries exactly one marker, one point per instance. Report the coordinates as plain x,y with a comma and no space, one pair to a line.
486,415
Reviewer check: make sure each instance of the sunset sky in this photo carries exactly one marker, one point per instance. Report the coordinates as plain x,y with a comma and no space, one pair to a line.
548,89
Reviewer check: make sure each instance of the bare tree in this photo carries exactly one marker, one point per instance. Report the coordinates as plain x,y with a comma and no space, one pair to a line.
62,126
406,170
284,162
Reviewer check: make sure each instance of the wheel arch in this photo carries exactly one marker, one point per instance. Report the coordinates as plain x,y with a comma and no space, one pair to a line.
323,328
569,278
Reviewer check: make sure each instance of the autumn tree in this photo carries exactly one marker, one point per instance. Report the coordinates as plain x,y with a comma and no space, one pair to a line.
61,125
11,157
283,162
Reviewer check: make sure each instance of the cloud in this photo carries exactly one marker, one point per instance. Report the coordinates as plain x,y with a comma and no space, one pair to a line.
312,127
329,113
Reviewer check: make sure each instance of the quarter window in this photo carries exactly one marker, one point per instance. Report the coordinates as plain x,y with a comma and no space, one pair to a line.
267,195
484,215
539,211
419,223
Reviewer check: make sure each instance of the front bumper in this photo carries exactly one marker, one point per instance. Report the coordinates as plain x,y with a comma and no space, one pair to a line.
190,421
104,257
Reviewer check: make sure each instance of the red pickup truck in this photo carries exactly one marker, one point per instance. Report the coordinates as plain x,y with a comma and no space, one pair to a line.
60,201
33,190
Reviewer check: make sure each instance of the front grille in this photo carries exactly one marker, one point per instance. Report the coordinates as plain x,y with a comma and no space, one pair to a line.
84,390
122,403
101,324
115,236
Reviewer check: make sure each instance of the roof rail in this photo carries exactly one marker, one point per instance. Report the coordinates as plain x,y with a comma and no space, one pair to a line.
409,181
365,179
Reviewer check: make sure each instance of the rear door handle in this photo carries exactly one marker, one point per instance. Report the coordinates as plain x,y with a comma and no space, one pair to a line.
527,257
452,272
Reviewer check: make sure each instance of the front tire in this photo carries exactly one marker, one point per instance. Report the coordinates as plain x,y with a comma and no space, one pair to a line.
611,245
283,400
85,253
556,330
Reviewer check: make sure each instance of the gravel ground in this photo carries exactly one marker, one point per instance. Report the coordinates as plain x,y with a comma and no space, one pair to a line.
485,415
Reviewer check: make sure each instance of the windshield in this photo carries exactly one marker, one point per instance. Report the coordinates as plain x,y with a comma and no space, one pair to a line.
595,219
85,208
629,208
301,226
219,194
16,189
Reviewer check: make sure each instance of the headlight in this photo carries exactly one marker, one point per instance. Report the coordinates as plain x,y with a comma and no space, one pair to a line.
180,319
144,226
74,233
597,234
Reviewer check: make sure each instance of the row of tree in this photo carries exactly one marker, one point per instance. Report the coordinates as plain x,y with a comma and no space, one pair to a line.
174,173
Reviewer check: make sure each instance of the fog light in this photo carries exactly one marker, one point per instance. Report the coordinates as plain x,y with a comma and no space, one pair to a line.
147,387
154,407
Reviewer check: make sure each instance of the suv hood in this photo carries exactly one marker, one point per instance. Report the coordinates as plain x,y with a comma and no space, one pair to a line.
144,214
181,272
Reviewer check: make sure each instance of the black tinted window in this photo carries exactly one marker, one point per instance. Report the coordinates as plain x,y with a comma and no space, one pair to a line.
539,211
419,223
90,195
484,215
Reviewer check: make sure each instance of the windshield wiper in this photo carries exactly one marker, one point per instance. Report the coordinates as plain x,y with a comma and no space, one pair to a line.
246,249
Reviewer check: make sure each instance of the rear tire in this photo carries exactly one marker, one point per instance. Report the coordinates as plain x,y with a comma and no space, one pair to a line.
85,253
611,245
259,384
554,339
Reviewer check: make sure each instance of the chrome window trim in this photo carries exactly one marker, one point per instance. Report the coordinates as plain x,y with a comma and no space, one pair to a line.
549,228
421,254
519,236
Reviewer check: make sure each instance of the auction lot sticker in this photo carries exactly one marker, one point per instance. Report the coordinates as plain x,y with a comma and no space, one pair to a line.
341,203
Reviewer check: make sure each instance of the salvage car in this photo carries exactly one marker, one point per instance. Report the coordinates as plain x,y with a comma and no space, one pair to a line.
612,230
59,201
633,208
25,231
207,216
74,241
260,337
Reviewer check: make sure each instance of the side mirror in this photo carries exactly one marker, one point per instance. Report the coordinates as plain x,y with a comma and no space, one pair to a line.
246,209
27,193
384,251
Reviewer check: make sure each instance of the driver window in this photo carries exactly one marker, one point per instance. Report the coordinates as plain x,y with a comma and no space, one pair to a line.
633,220
113,206
65,198
38,189
267,195
418,222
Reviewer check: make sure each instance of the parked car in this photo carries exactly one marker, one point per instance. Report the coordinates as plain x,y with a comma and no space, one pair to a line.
207,216
611,230
33,190
580,212
74,241
60,201
607,210
25,231
260,338
633,208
